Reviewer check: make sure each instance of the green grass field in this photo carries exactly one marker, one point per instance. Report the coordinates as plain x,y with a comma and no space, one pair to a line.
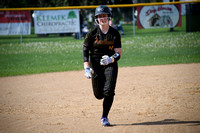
55,54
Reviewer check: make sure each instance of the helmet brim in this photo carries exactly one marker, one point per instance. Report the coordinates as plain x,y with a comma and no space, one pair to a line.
109,15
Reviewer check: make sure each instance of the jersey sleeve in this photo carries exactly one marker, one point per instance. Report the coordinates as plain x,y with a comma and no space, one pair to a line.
86,45
87,40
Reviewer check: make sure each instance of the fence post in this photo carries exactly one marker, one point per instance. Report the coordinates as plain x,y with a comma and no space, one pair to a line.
133,22
21,30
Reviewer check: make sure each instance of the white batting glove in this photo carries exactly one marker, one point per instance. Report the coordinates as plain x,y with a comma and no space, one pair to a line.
88,72
106,60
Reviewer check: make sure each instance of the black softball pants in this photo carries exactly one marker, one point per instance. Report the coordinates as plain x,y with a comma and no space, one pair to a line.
103,83
104,80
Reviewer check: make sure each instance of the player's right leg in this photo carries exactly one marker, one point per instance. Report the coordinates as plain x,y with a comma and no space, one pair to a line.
98,85
98,78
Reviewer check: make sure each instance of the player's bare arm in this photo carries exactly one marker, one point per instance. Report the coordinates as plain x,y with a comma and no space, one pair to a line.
86,64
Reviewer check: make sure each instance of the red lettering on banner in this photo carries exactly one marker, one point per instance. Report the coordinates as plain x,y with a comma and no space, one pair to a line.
14,16
164,8
150,11
159,9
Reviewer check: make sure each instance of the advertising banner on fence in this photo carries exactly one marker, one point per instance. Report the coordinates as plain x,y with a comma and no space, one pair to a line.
163,16
15,23
56,21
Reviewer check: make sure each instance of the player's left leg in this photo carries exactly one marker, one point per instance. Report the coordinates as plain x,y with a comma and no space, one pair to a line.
107,103
110,72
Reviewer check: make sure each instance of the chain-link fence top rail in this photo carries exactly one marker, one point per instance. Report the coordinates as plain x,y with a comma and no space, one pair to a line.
94,6
120,12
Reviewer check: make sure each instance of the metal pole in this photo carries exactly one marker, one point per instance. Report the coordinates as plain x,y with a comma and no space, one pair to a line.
133,22
21,38
80,35
21,28
80,26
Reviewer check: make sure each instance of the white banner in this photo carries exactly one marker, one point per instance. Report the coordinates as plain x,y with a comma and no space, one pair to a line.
164,16
56,21
15,23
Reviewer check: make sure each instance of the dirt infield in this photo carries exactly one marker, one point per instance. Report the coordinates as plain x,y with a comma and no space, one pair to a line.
151,99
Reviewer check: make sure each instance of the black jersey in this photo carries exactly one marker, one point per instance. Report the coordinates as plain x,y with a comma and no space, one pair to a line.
98,44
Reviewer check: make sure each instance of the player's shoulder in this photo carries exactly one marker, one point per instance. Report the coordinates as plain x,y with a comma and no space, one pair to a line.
113,30
93,30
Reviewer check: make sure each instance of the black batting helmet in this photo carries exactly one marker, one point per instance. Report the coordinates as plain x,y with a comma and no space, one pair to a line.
102,9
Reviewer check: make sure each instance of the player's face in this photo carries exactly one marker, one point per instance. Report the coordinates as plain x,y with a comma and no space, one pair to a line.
103,19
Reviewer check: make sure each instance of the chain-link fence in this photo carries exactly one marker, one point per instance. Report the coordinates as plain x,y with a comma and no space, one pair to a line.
130,19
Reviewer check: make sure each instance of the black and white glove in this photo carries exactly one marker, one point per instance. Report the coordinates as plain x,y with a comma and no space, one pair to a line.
106,60
88,71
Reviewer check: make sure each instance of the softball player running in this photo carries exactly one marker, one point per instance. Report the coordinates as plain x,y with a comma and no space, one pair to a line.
101,51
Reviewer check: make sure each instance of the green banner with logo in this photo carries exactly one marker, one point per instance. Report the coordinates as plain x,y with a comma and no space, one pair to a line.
56,21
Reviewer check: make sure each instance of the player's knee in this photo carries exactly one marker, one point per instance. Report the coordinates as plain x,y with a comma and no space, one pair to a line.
99,97
109,94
